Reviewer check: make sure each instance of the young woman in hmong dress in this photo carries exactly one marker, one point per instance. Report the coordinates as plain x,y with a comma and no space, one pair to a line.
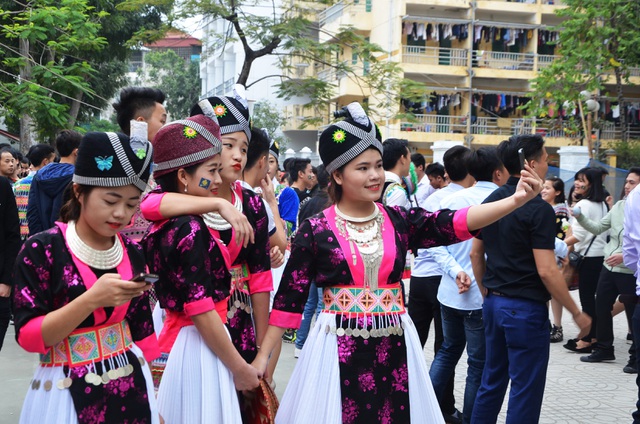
74,303
249,263
363,362
202,364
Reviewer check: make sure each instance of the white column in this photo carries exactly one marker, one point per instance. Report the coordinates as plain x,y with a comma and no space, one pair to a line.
572,159
440,147
305,153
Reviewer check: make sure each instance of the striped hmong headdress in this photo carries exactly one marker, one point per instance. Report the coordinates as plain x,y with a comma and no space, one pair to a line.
184,143
232,112
341,142
114,159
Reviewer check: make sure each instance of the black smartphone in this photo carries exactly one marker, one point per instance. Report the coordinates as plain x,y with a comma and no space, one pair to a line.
521,156
147,278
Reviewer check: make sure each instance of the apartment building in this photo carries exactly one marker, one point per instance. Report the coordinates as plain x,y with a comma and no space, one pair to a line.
476,57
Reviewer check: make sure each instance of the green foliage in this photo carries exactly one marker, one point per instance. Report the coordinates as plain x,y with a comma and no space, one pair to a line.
101,125
599,41
177,78
266,115
628,153
55,29
297,41
77,57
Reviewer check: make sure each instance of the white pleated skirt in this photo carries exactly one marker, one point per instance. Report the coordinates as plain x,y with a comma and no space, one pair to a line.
196,386
56,406
313,394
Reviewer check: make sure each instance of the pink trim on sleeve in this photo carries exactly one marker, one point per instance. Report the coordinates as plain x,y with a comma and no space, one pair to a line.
460,224
285,319
149,347
222,308
199,307
30,337
261,282
150,207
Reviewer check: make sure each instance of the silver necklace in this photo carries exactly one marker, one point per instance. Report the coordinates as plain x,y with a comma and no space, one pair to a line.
368,241
98,259
348,218
215,221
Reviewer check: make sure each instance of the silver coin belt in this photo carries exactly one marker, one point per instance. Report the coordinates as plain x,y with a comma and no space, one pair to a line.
239,300
381,326
90,378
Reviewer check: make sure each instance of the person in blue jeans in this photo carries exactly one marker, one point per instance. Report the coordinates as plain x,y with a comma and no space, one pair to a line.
311,308
458,294
314,303
517,279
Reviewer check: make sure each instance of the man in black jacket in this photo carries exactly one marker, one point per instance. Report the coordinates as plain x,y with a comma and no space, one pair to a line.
49,185
9,247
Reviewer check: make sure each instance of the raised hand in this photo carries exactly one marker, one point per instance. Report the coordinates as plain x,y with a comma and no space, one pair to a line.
529,186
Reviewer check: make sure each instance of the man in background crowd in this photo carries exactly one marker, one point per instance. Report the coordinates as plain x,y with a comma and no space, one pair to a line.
48,187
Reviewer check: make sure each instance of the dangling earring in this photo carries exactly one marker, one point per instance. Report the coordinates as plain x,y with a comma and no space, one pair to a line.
185,188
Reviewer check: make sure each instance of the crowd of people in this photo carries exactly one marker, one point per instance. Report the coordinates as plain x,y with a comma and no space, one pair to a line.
157,271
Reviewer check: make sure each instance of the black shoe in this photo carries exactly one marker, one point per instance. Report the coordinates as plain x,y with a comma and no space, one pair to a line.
572,345
556,334
599,355
630,368
455,418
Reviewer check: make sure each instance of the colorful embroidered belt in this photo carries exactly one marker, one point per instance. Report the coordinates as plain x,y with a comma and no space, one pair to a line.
363,300
83,347
239,276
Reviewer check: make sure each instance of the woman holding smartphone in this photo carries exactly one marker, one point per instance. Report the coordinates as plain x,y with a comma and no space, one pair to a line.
74,303
363,362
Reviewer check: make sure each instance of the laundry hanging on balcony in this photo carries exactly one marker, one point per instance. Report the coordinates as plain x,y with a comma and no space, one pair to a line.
420,31
434,103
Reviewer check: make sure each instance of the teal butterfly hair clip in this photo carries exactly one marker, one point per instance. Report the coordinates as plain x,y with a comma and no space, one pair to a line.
104,163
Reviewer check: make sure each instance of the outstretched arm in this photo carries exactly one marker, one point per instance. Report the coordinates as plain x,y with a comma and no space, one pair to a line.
529,186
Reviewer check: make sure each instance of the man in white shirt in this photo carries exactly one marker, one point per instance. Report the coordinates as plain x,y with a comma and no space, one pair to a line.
424,188
396,160
426,273
458,294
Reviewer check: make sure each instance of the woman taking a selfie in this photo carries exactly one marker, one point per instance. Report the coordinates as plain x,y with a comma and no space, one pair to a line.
363,361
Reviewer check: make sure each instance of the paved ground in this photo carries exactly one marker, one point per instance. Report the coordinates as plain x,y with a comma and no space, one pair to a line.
576,393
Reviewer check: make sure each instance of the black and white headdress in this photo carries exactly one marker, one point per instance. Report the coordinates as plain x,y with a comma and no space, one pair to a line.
341,142
232,112
114,159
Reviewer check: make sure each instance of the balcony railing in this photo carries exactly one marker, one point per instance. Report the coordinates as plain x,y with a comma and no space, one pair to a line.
436,124
545,60
612,132
434,56
228,85
488,126
336,11
503,60
502,126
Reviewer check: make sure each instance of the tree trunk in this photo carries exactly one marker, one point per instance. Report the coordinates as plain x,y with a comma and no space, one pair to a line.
75,108
26,122
246,69
623,115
